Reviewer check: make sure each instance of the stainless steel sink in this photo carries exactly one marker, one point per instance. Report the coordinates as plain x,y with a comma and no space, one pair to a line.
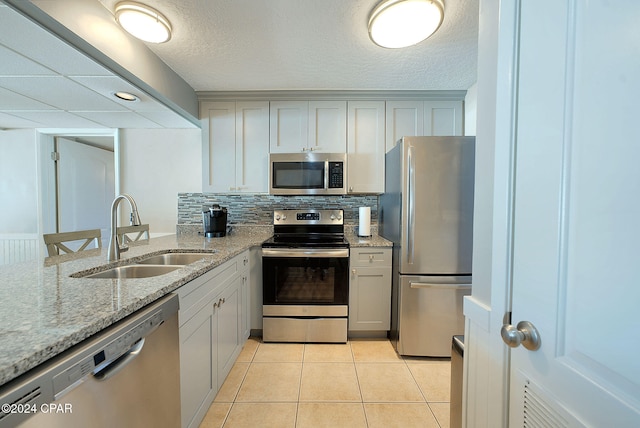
151,266
174,258
135,271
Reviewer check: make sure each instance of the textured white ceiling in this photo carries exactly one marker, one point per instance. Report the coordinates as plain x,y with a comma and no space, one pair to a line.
45,83
229,45
233,45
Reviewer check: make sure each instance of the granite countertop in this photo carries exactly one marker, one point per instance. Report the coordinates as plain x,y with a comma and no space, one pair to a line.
46,311
374,240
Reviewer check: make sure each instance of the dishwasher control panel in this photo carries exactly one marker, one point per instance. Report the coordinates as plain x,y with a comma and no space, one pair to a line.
108,354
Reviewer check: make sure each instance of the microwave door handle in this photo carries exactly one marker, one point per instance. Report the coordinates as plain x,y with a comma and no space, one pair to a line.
326,175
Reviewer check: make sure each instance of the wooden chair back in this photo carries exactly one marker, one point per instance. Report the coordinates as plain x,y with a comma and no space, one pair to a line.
128,234
55,241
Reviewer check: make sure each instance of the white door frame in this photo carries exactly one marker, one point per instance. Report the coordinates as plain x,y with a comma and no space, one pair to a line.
486,363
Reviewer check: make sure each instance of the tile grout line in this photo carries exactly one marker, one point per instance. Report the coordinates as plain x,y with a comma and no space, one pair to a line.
235,396
364,412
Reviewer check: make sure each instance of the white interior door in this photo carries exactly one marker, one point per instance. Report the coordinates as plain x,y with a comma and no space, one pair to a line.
577,213
86,187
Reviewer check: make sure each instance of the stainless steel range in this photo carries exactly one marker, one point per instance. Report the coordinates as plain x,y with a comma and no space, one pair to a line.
306,277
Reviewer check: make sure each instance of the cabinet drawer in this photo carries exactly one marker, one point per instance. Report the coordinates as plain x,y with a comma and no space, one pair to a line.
370,256
193,294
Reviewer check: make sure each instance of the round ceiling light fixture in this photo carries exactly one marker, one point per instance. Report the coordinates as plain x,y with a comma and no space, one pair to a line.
125,96
143,22
402,23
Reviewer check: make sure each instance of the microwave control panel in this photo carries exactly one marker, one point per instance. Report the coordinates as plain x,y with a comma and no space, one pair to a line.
336,175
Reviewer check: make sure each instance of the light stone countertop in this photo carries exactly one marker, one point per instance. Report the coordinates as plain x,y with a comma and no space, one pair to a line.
371,241
46,311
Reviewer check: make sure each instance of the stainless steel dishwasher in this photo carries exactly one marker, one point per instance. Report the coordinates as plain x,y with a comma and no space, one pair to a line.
127,375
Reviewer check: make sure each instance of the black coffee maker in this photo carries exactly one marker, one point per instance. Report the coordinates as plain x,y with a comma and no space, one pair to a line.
214,220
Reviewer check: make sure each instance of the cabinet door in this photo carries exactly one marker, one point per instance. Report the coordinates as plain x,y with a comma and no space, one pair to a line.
218,147
289,124
327,126
404,119
443,118
198,375
370,299
366,146
251,147
227,337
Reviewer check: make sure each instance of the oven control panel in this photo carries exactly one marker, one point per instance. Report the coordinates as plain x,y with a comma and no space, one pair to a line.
308,217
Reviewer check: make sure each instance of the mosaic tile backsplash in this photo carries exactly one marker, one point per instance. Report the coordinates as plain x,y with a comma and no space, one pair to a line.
257,209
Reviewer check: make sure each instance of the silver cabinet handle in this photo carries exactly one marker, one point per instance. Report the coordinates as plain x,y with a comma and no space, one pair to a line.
524,333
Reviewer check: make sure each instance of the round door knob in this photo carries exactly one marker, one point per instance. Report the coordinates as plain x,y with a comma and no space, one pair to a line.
524,333
277,216
284,217
332,217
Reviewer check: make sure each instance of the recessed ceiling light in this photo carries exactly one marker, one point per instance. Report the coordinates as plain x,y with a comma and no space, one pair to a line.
402,23
125,96
143,22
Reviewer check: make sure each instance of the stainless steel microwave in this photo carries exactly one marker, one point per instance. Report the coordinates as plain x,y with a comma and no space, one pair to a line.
308,173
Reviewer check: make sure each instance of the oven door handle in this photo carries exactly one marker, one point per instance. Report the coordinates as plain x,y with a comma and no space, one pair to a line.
306,252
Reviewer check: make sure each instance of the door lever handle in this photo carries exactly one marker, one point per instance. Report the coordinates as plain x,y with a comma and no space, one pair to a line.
524,333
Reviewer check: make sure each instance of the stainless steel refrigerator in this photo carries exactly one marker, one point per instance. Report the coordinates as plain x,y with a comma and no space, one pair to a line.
427,212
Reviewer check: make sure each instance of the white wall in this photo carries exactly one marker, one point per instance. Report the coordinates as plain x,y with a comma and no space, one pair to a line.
471,110
18,182
155,165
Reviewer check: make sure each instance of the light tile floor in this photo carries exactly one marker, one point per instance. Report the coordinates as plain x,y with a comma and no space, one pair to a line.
363,383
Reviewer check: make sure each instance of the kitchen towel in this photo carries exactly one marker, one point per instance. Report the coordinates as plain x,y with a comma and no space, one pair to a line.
364,221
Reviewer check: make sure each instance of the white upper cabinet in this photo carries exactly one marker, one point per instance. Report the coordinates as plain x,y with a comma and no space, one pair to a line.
416,118
365,146
235,146
289,126
404,119
443,118
239,135
327,126
298,126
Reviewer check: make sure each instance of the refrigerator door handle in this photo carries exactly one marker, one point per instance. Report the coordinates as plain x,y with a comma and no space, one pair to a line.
411,183
438,285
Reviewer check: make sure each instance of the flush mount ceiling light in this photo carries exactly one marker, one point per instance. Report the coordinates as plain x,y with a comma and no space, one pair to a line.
143,22
402,23
125,96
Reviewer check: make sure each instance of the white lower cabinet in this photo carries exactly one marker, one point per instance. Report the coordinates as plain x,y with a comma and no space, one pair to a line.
370,289
212,333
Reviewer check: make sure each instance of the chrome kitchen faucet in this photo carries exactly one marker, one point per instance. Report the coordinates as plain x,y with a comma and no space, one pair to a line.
114,246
